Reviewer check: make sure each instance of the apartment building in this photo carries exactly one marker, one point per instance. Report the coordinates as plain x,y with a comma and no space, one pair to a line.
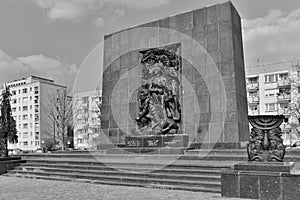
271,89
29,97
87,120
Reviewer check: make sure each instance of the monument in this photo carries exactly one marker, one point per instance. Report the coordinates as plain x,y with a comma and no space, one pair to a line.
176,82
265,175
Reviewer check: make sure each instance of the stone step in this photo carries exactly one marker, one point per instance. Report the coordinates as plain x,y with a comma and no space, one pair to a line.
291,156
289,151
155,175
191,164
199,171
144,180
158,186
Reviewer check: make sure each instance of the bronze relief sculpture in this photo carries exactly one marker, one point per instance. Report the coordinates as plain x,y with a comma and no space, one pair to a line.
159,96
265,143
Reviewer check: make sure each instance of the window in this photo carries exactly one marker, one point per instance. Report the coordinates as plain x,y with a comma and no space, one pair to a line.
253,94
36,108
37,143
31,134
14,101
30,125
25,135
271,92
30,98
283,76
36,90
253,80
19,91
14,109
94,120
270,107
25,117
37,135
271,78
25,143
25,100
283,105
24,90
14,92
36,99
253,108
25,108
30,116
25,126
85,100
19,117
30,107
30,89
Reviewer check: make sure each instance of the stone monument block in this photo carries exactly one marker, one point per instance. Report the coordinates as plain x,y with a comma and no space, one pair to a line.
183,74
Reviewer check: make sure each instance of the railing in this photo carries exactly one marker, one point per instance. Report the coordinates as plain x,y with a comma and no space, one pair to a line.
252,86
284,111
282,97
253,112
285,127
284,82
253,99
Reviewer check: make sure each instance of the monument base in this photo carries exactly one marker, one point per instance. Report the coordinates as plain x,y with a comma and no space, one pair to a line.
219,145
152,144
153,141
261,180
148,150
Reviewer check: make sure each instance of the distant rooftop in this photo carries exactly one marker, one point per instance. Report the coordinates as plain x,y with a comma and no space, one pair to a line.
272,67
30,79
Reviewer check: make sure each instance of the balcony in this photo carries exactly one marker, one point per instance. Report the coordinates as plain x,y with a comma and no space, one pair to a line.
284,97
285,127
284,83
253,100
252,86
284,111
253,112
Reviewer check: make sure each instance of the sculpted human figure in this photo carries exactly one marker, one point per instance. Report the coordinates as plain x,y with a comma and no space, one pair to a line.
160,71
143,102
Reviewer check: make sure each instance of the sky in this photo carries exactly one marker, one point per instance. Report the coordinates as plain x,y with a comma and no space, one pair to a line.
51,38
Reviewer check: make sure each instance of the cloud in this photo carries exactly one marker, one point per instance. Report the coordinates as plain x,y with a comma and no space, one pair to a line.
272,38
76,9
140,4
98,22
63,9
39,65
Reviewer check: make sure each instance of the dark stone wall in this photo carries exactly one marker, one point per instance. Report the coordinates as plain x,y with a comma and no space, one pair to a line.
214,105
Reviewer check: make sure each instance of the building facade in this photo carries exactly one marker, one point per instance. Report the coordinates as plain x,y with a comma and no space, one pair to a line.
28,103
272,89
87,119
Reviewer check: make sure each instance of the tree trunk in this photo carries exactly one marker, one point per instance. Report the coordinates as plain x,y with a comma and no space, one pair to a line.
63,138
6,147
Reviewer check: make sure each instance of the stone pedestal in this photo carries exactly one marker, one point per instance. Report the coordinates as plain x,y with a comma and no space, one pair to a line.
263,180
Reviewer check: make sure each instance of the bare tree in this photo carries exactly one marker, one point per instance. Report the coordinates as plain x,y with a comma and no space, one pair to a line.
59,109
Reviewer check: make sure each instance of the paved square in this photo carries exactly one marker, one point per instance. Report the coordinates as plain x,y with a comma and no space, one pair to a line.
12,188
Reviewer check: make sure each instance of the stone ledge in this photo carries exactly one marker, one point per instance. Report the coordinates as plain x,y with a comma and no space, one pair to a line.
261,181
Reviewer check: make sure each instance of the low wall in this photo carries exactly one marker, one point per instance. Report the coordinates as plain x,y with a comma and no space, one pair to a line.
9,163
